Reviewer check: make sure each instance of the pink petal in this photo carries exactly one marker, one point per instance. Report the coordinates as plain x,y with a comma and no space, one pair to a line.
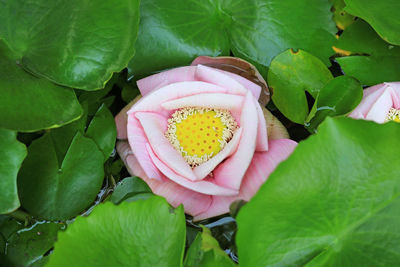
204,169
193,202
356,114
219,78
381,107
230,173
379,87
137,140
154,127
215,100
152,102
182,74
377,101
219,206
121,121
370,96
254,88
202,186
134,168
262,165
396,94
249,85
262,135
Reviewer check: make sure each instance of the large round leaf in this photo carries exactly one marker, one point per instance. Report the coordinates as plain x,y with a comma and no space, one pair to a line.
12,153
174,32
142,233
382,15
290,76
74,43
334,202
58,190
366,56
29,103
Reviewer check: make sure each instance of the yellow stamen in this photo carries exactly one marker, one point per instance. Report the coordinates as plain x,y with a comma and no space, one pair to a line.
199,133
393,115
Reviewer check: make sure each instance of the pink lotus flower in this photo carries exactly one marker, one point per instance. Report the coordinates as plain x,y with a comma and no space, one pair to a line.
198,136
380,103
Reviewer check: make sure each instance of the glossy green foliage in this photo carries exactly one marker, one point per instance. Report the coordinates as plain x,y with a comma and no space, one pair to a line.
371,59
205,252
58,188
9,226
383,16
103,131
334,202
62,172
29,103
142,233
338,97
12,153
290,75
173,33
2,247
128,93
74,43
95,99
27,246
340,16
130,188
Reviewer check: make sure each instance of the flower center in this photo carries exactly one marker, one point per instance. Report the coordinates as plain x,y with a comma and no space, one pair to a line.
393,115
200,133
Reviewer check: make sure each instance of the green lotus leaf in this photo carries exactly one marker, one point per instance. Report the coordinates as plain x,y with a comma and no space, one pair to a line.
334,202
366,56
173,33
73,43
142,233
381,15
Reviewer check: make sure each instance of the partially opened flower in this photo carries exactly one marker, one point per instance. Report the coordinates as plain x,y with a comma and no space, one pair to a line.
199,137
380,103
